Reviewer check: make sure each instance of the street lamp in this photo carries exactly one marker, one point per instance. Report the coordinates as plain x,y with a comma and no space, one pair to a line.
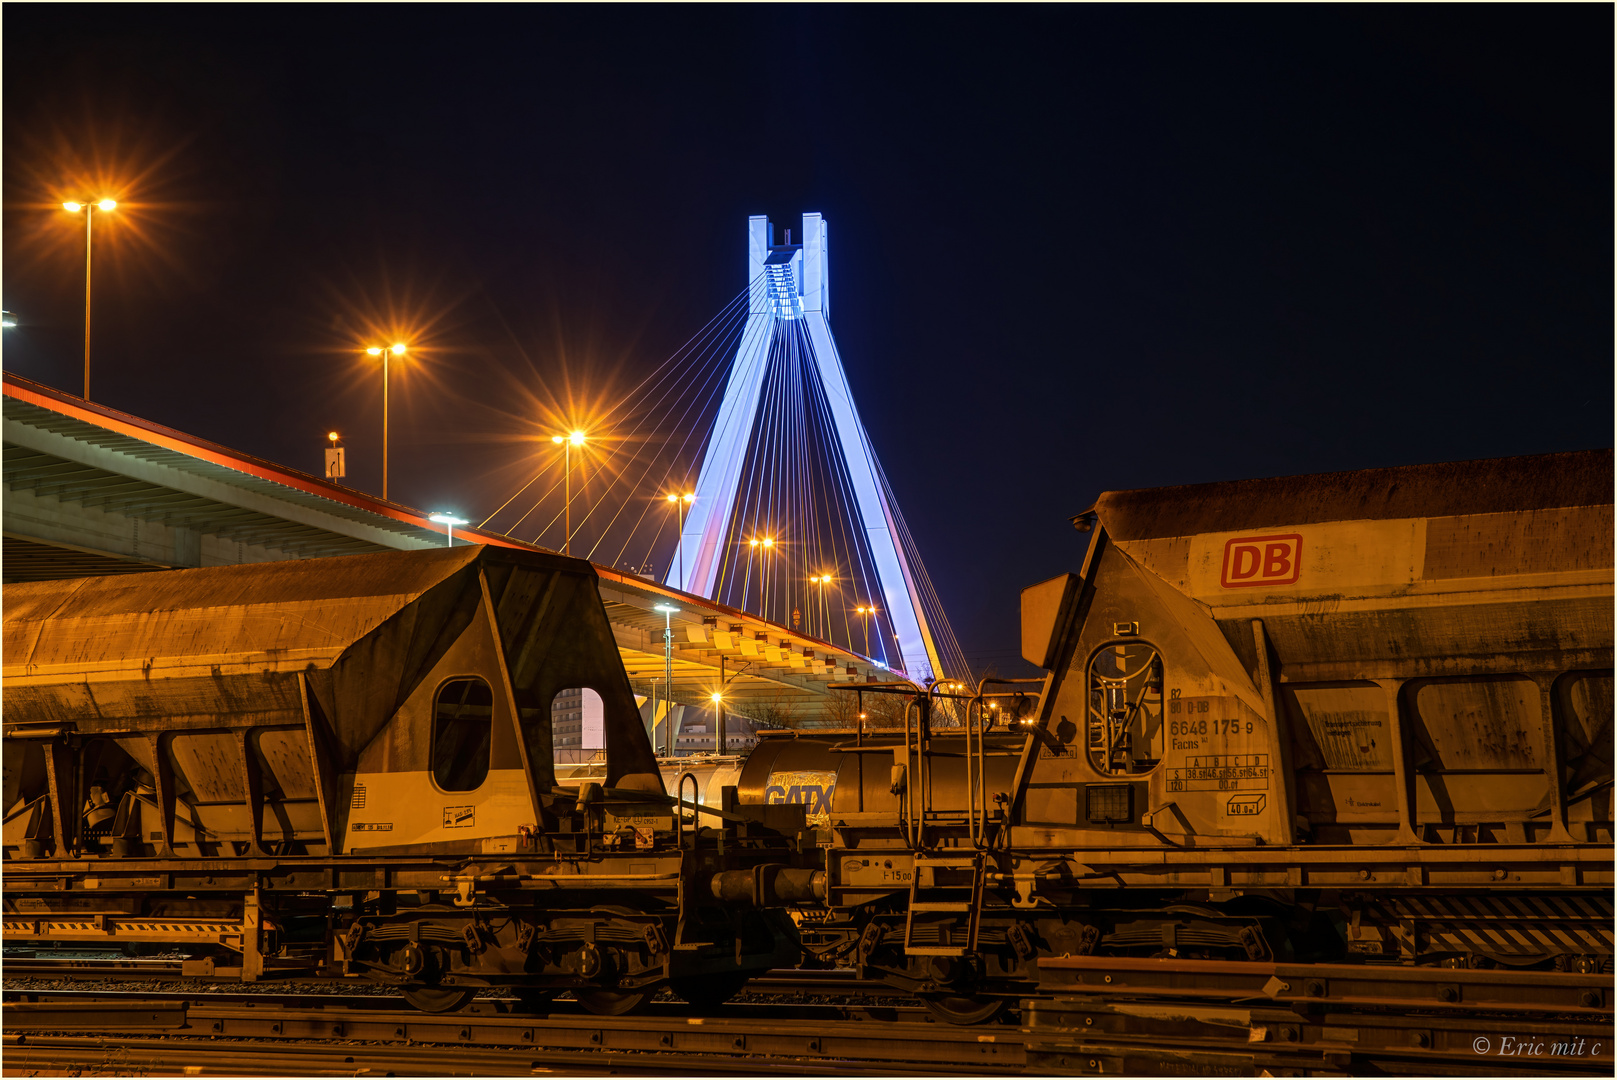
88,209
822,580
768,546
7,319
668,676
397,349
567,442
680,502
865,612
449,520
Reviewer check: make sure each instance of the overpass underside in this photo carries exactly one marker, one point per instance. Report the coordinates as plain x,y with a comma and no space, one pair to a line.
90,491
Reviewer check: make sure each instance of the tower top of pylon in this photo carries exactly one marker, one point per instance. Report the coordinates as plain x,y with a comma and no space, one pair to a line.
789,278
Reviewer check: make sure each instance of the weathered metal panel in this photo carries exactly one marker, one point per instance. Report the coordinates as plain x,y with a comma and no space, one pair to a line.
1498,485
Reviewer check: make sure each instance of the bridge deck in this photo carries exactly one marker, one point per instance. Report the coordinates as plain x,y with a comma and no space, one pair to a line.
91,490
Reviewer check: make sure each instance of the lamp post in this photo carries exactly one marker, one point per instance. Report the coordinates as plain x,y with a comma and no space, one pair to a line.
568,441
680,502
396,349
718,710
88,209
822,580
449,521
668,675
865,612
768,545
718,715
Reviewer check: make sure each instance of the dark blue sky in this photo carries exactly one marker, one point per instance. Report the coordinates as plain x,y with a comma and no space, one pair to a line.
1074,248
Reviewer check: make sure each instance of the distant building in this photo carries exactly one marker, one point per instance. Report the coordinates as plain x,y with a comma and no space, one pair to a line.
697,734
575,726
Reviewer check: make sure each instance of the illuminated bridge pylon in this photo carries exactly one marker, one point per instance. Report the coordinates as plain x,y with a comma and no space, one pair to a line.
787,373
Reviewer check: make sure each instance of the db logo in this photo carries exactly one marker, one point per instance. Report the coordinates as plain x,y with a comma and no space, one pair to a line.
1262,560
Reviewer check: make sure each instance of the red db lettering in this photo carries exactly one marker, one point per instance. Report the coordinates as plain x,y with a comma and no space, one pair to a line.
1276,560
1262,560
1243,561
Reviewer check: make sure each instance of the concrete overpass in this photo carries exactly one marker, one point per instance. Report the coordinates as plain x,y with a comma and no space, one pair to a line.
91,490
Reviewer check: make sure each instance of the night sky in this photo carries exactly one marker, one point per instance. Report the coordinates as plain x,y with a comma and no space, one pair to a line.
1073,248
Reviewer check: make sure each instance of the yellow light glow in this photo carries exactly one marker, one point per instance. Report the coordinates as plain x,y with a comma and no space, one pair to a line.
557,439
576,438
333,436
769,542
72,207
374,351
673,498
718,697
398,349
690,496
753,542
107,204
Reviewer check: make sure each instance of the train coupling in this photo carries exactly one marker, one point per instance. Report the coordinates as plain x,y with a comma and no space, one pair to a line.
769,885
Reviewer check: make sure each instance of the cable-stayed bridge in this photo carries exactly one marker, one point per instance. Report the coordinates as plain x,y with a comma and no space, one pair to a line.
793,571
739,471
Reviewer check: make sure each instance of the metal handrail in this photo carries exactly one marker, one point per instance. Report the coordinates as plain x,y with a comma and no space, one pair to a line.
978,795
680,806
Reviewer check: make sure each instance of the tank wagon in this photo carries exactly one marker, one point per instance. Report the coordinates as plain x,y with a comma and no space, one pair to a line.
1361,715
345,767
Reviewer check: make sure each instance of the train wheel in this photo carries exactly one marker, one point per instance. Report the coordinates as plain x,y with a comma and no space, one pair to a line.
710,991
612,1002
438,999
961,1009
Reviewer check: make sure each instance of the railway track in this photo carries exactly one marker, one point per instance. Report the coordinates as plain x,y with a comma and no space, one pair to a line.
483,1038
1156,1017
1099,1016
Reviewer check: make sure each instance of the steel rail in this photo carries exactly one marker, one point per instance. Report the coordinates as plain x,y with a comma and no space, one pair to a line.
741,1044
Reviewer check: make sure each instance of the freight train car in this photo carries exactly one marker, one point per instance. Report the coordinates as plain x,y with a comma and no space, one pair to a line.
344,767
1361,715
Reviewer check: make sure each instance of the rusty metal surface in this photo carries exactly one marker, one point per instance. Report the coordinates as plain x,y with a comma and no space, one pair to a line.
94,627
1497,485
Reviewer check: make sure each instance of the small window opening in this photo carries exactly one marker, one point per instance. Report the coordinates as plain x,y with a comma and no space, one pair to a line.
1125,709
577,725
462,723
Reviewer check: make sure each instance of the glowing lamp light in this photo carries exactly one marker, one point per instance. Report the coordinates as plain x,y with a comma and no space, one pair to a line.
717,697
333,436
374,351
107,204
576,438
666,609
398,349
449,521
72,207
